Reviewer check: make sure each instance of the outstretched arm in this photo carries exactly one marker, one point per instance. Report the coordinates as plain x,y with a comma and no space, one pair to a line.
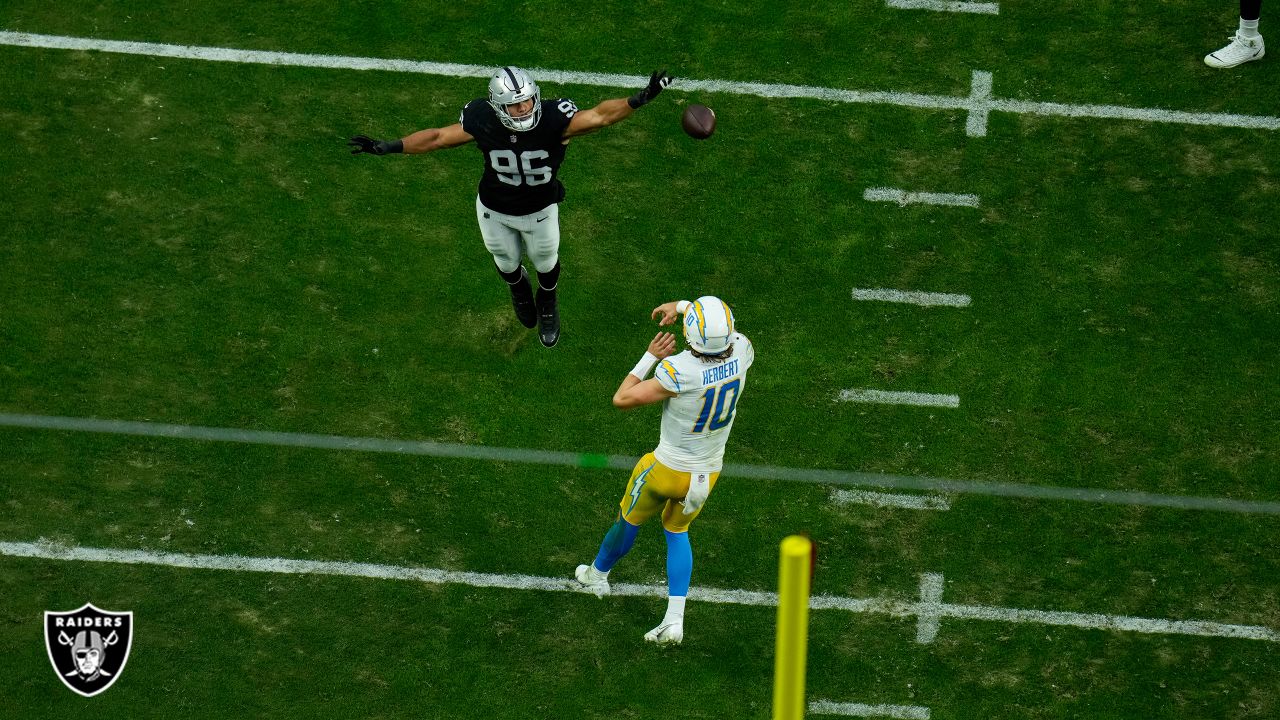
422,141
437,139
611,111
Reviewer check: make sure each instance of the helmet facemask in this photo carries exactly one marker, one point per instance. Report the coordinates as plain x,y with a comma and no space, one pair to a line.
513,86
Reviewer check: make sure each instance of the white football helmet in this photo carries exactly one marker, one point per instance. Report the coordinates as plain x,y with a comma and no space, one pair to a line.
512,86
708,325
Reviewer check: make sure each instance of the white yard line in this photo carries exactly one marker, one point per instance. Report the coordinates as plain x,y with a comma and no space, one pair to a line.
888,397
912,297
980,8
979,102
898,712
877,499
928,607
902,197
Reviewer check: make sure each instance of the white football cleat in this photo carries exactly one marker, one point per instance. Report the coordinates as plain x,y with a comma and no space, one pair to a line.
1241,50
592,580
668,633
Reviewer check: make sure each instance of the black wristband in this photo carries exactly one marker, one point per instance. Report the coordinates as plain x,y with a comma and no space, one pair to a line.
637,100
393,146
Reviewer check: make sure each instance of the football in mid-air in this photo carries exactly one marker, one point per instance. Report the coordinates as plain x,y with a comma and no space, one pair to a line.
698,121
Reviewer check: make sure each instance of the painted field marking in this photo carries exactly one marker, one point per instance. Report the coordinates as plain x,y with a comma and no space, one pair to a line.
909,502
899,712
893,397
975,125
45,550
912,297
980,8
817,476
977,102
902,197
929,610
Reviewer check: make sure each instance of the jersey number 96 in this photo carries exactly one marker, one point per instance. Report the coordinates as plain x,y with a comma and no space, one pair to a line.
522,171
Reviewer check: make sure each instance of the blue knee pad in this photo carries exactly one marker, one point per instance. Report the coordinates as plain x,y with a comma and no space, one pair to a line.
679,563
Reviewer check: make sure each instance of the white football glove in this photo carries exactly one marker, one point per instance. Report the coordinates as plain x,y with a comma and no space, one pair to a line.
699,489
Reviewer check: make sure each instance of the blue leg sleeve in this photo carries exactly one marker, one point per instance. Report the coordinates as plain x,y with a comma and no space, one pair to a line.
617,542
679,563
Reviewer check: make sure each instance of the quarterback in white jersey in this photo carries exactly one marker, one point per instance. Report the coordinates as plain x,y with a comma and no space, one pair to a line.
699,390
697,420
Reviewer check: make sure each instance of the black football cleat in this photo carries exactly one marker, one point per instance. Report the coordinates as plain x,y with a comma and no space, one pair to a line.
522,300
548,321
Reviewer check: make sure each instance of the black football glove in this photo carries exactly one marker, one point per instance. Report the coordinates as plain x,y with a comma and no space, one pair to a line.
366,144
658,81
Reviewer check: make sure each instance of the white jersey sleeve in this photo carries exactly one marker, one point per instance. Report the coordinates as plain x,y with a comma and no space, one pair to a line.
697,421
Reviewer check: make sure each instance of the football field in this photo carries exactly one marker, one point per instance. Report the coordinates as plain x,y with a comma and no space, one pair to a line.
1010,269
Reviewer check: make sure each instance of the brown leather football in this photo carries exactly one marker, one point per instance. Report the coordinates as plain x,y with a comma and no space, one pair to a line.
698,121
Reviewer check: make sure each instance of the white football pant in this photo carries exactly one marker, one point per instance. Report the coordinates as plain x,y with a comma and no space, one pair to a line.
508,237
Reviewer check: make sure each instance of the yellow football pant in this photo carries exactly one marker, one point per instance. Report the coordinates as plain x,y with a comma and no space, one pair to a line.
655,487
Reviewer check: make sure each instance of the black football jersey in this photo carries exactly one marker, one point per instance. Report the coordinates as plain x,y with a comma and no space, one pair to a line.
520,168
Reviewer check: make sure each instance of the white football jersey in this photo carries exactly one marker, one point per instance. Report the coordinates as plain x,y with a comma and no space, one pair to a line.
696,422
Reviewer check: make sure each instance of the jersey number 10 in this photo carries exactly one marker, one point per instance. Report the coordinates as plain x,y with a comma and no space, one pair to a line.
718,396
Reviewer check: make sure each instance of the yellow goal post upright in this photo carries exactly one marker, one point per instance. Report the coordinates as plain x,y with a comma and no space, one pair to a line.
794,575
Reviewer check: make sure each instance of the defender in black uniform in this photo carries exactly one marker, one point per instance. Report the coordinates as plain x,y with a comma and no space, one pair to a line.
522,138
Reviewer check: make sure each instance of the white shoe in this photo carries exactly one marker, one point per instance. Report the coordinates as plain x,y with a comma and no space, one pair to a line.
592,580
1241,50
668,633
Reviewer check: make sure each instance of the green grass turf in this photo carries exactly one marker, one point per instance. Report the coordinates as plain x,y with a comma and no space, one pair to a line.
189,242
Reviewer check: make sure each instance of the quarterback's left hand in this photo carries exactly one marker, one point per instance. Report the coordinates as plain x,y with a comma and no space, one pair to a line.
668,312
658,82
